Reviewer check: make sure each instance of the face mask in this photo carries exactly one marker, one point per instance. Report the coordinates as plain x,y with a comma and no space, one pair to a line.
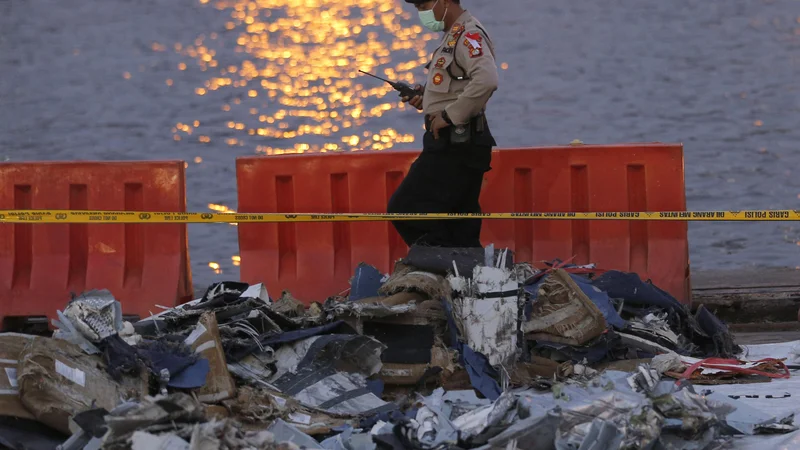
428,19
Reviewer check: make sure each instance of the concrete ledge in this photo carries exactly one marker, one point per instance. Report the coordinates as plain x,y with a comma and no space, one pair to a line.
749,296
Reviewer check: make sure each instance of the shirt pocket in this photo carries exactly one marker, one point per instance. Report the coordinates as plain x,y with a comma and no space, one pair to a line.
438,77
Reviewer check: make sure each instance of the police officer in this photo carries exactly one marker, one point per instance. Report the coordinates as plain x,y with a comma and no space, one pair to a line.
457,145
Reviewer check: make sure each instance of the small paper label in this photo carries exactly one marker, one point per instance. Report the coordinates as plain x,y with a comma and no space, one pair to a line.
77,376
305,419
11,373
195,334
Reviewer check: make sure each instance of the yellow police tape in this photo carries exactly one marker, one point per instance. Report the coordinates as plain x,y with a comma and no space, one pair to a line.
62,216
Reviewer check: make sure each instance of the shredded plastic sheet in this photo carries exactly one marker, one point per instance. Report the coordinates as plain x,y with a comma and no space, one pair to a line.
756,395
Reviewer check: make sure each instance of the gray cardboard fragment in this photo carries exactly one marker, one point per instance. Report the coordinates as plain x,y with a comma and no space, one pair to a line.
145,441
308,371
338,442
284,432
536,432
602,435
255,368
458,403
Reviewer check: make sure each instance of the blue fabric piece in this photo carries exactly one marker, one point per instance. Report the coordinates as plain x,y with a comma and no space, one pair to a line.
482,375
168,352
376,387
710,323
599,298
175,364
192,377
366,282
635,292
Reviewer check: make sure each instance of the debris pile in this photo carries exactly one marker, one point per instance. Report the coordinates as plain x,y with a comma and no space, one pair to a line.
455,348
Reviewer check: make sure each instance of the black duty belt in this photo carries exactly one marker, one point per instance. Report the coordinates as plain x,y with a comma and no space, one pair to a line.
473,121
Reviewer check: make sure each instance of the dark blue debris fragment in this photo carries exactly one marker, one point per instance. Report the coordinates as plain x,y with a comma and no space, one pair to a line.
192,377
365,283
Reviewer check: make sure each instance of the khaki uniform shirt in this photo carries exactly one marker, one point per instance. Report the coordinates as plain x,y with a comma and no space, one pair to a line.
462,75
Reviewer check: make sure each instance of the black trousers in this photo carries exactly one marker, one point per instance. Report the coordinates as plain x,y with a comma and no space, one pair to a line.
445,178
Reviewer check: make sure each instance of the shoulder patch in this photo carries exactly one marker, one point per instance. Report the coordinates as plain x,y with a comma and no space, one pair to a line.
473,42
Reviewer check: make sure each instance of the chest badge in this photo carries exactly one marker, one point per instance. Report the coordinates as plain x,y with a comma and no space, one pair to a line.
437,79
455,33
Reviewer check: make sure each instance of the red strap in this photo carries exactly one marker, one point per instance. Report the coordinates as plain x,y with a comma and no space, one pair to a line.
724,364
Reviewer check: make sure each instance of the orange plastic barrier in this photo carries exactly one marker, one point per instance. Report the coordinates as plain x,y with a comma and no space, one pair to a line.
142,265
316,260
